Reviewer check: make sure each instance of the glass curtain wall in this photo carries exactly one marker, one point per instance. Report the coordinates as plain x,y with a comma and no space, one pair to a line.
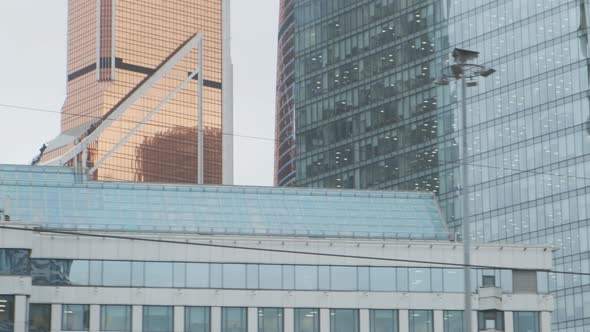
344,320
526,321
453,321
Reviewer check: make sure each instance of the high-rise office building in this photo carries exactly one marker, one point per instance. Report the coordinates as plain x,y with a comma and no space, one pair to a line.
367,115
120,48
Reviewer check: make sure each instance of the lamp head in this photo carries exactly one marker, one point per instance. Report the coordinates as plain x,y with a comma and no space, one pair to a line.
442,81
462,56
485,72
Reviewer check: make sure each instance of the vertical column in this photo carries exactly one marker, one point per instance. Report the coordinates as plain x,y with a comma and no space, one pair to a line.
178,318
545,321
364,325
439,325
324,320
474,320
56,317
508,321
404,321
94,318
137,318
252,319
289,320
21,309
215,319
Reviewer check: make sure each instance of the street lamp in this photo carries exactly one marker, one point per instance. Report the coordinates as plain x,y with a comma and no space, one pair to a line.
466,73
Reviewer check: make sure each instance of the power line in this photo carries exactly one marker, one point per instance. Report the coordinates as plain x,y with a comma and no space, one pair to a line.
283,251
155,123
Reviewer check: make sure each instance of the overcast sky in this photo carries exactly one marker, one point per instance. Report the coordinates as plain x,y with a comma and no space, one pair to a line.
33,74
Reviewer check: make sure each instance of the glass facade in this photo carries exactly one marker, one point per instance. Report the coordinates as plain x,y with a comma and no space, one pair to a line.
39,317
75,317
158,318
115,318
197,319
64,272
344,320
383,321
526,321
113,47
234,319
270,320
15,261
367,115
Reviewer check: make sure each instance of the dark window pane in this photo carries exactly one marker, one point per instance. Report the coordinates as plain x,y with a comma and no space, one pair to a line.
383,321
75,317
307,320
115,318
6,313
197,319
270,320
234,320
421,321
453,321
158,319
15,261
39,317
526,321
344,320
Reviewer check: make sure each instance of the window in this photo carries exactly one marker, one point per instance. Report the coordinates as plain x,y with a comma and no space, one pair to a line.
116,273
526,321
306,277
197,275
234,276
158,274
524,281
383,321
270,320
197,319
491,319
421,321
488,281
307,320
115,318
75,317
39,317
453,321
453,280
382,278
158,319
344,320
419,280
234,320
271,276
7,312
343,278
15,262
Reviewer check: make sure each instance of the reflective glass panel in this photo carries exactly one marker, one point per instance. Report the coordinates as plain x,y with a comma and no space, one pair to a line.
234,276
15,261
419,279
234,320
39,317
344,320
307,320
270,320
197,319
197,275
382,278
453,321
75,317
343,278
115,318
158,274
383,321
306,277
6,313
158,319
453,280
116,273
421,321
271,276
526,321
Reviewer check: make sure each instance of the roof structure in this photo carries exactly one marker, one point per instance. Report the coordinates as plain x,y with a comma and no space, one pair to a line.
58,197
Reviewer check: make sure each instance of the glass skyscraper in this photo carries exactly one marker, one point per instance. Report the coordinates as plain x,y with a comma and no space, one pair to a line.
367,115
113,47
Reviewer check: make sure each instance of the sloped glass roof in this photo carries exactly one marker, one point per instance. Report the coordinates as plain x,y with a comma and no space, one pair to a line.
58,197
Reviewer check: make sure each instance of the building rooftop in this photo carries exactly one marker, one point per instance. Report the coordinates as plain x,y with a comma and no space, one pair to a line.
58,197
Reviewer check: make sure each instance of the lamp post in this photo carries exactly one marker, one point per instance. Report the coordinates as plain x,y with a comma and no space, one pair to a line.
466,73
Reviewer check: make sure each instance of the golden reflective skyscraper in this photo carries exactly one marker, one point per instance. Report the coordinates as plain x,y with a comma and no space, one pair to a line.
119,50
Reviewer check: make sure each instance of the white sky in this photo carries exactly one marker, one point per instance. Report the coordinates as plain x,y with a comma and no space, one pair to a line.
33,74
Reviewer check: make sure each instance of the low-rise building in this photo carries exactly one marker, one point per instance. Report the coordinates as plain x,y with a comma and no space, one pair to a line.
75,256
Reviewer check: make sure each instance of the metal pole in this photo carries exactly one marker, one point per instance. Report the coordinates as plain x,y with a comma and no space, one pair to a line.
200,135
465,194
